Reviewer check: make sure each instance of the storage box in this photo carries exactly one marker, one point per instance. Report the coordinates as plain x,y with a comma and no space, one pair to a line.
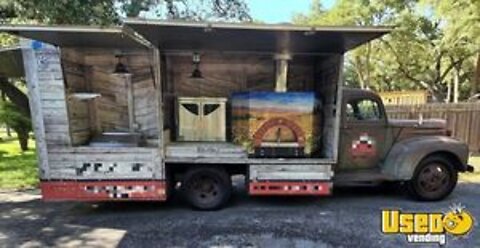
201,119
274,124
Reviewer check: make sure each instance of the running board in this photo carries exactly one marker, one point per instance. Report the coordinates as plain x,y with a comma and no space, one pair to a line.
360,176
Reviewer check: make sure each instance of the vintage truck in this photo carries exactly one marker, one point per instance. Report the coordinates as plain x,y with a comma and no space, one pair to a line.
135,111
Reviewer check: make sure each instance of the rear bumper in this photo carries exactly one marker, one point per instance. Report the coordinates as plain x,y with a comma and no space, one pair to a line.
469,168
93,191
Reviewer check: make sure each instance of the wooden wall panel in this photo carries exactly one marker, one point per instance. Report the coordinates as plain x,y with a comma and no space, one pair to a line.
224,74
87,163
52,95
112,106
75,71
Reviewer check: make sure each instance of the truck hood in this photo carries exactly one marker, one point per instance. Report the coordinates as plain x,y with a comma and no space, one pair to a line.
415,128
426,123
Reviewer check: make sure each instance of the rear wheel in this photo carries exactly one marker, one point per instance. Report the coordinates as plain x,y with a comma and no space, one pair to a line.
207,188
434,179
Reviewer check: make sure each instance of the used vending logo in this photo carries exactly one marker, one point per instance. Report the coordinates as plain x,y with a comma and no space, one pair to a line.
427,227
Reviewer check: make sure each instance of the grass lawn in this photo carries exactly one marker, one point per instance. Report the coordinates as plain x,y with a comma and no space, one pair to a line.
17,169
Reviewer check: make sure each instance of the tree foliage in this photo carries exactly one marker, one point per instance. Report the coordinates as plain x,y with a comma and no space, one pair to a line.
212,10
106,12
432,47
17,120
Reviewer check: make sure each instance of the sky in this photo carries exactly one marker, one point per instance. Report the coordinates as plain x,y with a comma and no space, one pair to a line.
275,11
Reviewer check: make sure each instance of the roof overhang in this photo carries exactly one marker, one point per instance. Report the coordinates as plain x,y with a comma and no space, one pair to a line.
11,62
79,36
193,36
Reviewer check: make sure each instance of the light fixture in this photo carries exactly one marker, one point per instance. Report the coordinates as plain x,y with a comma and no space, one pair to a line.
196,73
120,68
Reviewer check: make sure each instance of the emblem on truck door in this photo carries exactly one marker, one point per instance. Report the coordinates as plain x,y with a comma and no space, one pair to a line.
364,146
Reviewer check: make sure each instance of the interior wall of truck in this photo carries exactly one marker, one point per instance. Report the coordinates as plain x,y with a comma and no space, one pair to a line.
105,115
226,75
117,102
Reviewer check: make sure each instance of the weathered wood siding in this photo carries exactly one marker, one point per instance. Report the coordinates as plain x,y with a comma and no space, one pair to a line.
76,75
92,71
64,122
87,163
47,90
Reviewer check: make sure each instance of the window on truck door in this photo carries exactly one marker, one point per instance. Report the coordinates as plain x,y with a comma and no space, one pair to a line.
363,110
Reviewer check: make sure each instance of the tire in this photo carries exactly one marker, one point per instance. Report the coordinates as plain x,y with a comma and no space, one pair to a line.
207,188
433,180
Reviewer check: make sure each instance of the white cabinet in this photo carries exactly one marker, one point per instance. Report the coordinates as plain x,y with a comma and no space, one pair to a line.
201,119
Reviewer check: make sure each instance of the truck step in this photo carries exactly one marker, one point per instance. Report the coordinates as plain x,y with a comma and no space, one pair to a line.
290,188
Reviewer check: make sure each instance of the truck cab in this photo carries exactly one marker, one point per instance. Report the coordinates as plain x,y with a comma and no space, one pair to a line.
374,148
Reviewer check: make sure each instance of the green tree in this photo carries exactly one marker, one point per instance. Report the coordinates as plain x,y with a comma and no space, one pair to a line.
17,120
212,10
423,51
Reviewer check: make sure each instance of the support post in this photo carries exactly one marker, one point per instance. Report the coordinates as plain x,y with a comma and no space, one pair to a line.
157,73
281,72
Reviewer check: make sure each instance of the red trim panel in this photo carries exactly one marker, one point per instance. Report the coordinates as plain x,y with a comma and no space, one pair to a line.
103,190
289,188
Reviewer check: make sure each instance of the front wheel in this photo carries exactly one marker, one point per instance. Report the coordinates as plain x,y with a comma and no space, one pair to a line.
207,188
434,179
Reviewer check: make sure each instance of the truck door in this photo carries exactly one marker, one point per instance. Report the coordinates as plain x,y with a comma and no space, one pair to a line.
362,133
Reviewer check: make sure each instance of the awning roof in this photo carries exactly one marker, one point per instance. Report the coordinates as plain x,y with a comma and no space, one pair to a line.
11,62
188,36
78,36
193,36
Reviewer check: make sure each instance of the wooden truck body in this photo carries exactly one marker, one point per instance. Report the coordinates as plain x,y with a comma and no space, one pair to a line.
104,104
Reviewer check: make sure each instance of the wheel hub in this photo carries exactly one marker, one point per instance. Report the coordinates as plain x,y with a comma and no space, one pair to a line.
205,189
433,177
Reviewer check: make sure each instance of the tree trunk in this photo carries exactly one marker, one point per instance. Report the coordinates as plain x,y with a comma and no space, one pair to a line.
476,78
367,62
23,139
449,92
456,82
15,95
7,128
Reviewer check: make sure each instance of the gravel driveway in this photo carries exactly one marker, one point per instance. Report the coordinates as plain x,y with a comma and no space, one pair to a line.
349,218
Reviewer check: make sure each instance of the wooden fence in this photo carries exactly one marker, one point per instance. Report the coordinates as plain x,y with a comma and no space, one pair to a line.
463,119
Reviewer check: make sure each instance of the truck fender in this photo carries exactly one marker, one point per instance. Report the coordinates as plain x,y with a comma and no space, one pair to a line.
405,155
